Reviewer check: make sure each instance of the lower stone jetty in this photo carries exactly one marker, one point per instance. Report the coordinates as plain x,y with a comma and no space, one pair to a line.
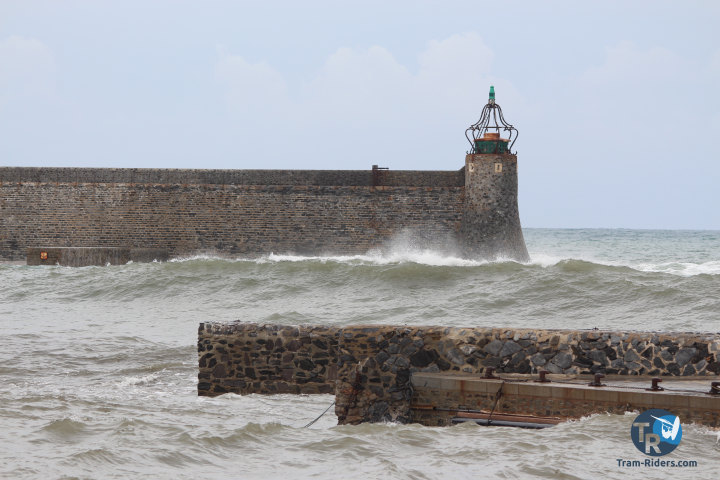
87,256
445,375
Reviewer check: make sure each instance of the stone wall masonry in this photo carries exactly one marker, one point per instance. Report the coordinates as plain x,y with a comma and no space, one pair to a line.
225,219
250,358
374,363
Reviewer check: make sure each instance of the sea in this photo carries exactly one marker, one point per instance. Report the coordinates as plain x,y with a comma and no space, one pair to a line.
98,365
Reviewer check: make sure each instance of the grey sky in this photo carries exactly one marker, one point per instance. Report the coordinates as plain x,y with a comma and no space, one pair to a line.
616,103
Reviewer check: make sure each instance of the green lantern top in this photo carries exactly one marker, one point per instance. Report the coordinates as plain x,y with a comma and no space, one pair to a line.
491,99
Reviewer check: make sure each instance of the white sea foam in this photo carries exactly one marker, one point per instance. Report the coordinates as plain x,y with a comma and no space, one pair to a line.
684,269
139,380
436,258
193,258
374,257
421,257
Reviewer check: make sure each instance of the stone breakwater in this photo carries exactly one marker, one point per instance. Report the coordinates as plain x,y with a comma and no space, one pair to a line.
257,212
369,368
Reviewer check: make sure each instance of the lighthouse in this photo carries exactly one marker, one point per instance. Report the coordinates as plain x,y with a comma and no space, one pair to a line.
490,227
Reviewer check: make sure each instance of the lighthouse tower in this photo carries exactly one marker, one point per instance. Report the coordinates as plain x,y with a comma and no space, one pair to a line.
490,225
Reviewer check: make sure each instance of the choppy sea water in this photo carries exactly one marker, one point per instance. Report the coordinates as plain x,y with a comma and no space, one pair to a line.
98,365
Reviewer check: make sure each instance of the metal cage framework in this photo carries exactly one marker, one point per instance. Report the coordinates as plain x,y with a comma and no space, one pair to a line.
491,120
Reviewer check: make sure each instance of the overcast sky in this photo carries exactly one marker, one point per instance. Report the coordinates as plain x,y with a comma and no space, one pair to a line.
616,103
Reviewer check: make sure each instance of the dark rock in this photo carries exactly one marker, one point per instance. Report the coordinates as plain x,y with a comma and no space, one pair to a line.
633,366
582,361
562,360
673,369
667,356
379,412
658,363
684,355
402,362
402,377
702,352
538,359
552,368
456,356
305,364
381,357
204,386
714,367
631,356
442,364
423,358
509,348
493,348
523,367
409,350
377,390
492,362
598,356
468,349
617,363
516,359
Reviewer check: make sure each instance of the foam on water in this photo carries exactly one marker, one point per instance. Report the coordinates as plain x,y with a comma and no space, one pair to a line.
403,253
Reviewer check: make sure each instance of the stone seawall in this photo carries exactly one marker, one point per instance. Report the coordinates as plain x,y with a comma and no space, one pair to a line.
256,212
369,367
277,212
